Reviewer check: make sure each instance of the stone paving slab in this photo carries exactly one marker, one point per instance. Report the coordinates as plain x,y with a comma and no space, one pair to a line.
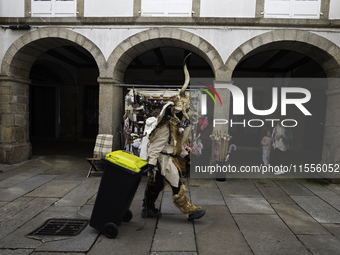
62,171
24,187
238,189
217,233
209,184
174,233
321,245
54,188
79,243
334,187
173,253
9,170
92,200
202,197
74,174
318,209
11,181
264,183
337,207
128,240
321,191
16,252
11,209
86,211
65,160
294,188
20,239
81,194
33,208
298,220
249,205
275,195
267,234
56,253
334,229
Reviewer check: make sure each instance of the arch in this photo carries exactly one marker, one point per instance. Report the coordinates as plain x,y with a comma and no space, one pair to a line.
15,70
152,38
318,48
20,56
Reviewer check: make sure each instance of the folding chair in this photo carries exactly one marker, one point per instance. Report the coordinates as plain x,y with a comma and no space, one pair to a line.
102,147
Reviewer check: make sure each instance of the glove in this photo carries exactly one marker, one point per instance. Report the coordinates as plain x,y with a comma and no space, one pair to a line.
148,168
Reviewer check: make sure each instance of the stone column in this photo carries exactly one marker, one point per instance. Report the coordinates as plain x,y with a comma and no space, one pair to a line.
14,120
111,109
331,142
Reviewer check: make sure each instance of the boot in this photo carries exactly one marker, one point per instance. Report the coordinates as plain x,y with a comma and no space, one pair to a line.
189,210
149,210
199,213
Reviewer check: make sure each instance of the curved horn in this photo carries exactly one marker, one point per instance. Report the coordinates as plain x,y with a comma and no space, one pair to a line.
187,77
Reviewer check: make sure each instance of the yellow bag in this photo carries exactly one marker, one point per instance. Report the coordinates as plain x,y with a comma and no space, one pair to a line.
126,160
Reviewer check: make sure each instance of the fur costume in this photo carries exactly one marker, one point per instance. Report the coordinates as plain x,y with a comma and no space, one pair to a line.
182,202
166,143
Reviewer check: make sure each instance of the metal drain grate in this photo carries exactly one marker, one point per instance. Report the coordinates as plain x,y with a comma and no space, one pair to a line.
61,227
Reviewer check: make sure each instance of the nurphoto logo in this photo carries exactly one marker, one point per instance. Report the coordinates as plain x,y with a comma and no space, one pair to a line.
239,105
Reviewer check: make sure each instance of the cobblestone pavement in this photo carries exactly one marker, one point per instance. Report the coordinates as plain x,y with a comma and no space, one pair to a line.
244,216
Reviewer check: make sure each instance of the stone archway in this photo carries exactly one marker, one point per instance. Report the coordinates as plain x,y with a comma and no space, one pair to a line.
24,51
110,116
15,69
137,44
318,48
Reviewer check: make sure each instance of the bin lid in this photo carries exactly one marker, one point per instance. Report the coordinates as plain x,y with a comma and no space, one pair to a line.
127,160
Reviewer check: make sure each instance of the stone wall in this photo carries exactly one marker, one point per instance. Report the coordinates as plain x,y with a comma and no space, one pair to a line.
331,148
14,96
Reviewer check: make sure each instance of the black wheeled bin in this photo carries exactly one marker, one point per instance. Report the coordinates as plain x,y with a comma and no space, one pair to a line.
121,177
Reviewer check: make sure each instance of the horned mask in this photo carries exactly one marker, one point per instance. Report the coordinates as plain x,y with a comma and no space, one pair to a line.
182,101
177,110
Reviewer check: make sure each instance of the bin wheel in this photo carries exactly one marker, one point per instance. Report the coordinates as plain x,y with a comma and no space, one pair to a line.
110,230
127,216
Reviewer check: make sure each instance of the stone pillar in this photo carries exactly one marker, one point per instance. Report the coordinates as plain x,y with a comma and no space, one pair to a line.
111,109
14,120
331,142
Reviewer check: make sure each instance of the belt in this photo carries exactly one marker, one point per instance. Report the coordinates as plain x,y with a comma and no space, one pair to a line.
168,154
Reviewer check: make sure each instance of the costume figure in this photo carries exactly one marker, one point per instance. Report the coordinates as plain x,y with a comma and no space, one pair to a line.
149,125
127,129
167,141
266,147
279,146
